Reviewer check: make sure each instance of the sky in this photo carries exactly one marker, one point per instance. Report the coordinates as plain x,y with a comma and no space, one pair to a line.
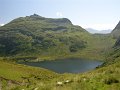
96,14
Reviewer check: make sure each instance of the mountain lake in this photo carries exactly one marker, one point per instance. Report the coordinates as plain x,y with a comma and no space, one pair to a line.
66,65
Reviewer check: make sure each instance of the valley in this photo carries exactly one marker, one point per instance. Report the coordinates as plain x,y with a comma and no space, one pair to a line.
35,38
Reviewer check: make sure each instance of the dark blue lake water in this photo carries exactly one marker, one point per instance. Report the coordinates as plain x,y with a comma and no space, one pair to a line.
67,65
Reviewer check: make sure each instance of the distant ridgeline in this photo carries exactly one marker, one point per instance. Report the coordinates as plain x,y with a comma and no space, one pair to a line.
36,35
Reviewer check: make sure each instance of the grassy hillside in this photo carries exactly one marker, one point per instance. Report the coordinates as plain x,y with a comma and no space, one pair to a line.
35,35
17,77
40,38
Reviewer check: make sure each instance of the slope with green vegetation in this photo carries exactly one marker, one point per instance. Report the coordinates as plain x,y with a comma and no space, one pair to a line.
17,77
14,75
35,37
39,38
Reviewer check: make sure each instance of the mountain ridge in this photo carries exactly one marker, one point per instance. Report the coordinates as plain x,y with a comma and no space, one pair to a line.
116,31
38,34
35,36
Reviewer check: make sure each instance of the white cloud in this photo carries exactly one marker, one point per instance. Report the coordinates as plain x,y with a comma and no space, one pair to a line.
2,24
59,14
99,26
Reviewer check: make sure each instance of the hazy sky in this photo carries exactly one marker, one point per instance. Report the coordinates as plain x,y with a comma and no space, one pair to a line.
97,14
